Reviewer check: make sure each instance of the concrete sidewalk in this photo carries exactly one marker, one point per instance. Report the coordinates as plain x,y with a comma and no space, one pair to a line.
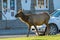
14,36
14,32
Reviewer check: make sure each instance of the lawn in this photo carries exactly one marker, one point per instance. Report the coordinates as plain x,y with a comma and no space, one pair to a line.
50,37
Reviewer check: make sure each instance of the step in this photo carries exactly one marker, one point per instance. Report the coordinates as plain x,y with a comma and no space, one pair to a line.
14,32
12,24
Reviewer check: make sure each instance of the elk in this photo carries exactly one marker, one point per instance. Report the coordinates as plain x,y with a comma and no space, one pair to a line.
34,20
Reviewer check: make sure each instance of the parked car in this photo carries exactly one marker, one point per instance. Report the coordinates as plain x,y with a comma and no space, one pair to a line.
41,29
54,24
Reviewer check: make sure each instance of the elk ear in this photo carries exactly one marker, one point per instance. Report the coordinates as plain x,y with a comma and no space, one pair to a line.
22,10
19,10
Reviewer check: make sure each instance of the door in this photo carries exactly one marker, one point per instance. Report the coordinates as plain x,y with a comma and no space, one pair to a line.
8,9
57,19
26,4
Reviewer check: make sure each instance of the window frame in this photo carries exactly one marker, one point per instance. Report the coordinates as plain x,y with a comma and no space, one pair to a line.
37,8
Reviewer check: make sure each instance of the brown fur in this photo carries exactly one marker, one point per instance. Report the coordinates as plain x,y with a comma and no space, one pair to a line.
34,19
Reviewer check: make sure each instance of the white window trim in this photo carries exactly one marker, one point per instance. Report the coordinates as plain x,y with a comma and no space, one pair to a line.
37,8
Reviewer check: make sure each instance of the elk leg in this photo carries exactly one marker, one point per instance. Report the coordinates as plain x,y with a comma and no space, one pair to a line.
28,31
47,30
36,30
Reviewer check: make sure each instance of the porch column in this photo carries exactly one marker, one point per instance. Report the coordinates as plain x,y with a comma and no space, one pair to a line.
19,6
51,6
33,3
0,9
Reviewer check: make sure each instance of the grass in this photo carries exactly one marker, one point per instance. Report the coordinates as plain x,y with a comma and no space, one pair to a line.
50,37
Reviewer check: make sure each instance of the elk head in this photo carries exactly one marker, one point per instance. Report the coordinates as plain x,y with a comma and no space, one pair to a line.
19,14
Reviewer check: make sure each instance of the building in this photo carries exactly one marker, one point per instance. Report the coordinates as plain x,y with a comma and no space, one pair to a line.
8,9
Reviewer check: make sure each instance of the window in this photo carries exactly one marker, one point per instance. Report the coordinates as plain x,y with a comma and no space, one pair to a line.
41,4
12,14
56,14
5,3
12,4
5,6
25,1
0,2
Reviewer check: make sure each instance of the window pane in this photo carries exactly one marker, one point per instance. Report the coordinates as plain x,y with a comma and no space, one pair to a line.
12,13
41,3
5,3
5,6
57,14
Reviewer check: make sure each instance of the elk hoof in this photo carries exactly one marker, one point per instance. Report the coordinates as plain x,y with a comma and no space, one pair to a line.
27,35
41,34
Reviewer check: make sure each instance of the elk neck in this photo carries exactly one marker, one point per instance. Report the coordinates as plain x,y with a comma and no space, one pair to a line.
24,17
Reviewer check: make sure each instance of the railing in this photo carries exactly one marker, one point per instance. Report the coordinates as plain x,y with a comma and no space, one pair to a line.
2,20
6,20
